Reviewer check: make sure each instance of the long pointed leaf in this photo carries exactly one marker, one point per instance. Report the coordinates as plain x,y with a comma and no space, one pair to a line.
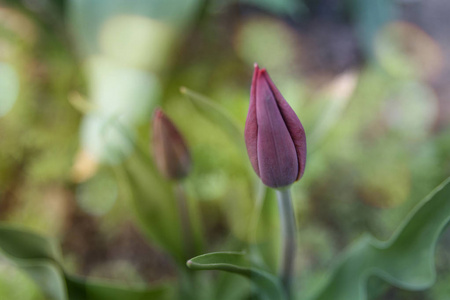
238,263
406,260
217,115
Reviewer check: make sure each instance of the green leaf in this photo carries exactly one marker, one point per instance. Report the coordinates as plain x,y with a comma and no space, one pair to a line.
238,263
226,122
81,289
333,102
26,245
217,115
265,235
46,275
406,260
153,203
38,257
230,287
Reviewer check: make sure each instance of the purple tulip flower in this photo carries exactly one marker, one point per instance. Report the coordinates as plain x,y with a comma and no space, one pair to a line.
275,138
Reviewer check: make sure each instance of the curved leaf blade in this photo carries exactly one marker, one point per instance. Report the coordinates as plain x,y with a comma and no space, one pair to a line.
238,263
406,260
46,275
38,257
23,244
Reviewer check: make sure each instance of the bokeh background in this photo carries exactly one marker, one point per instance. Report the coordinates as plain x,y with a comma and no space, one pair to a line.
368,79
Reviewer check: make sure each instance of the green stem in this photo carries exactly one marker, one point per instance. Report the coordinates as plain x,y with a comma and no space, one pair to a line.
185,219
254,218
288,236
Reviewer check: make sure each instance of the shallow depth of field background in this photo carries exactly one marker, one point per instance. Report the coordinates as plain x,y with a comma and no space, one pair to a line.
368,79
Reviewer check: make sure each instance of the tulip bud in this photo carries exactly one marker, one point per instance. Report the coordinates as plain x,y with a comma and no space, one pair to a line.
274,136
169,148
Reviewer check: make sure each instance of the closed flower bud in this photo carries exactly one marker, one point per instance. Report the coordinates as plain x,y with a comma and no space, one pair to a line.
275,138
169,148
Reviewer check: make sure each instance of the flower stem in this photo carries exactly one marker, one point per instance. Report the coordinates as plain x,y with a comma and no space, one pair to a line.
288,236
185,218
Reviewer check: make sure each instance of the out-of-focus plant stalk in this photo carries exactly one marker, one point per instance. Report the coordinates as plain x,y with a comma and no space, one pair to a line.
173,160
185,219
288,237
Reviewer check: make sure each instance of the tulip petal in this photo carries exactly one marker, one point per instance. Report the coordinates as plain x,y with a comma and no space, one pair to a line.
277,156
251,125
293,125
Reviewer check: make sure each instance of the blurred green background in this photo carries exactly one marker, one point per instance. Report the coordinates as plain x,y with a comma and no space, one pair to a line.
368,79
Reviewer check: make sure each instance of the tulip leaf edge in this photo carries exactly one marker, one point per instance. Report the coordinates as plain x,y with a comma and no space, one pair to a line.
406,260
238,263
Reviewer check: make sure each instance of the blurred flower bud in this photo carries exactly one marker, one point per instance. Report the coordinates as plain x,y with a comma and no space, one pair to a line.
275,138
169,148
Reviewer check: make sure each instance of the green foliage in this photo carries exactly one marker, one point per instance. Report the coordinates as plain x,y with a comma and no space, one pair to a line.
88,289
125,55
155,206
39,258
406,260
153,203
238,263
217,115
